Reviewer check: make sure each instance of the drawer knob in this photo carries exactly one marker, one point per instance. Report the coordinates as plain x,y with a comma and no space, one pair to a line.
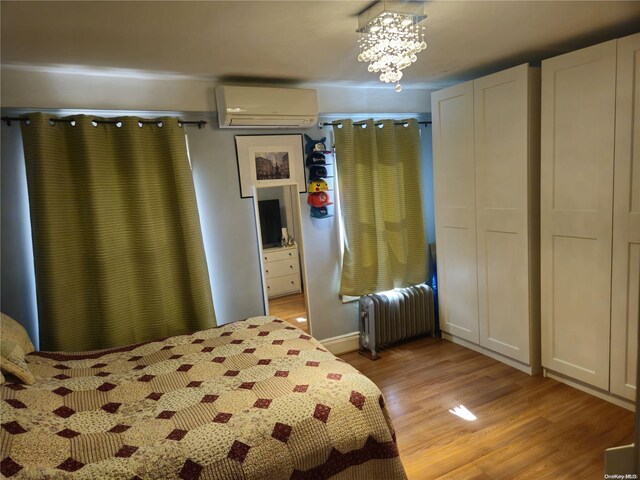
289,253
267,271
292,282
291,267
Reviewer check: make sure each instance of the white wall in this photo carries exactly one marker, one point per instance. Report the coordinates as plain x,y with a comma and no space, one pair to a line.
118,90
228,225
17,280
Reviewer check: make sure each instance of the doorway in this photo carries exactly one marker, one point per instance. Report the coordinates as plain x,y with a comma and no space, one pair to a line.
281,244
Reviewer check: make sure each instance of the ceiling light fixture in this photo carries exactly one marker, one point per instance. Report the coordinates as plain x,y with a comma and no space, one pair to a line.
391,37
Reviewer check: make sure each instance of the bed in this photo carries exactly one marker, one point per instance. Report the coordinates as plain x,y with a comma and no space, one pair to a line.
254,399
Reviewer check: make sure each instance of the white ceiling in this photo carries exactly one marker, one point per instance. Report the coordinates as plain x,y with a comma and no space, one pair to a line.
300,41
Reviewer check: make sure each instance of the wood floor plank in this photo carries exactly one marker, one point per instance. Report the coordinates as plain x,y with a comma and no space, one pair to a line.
467,472
526,427
290,308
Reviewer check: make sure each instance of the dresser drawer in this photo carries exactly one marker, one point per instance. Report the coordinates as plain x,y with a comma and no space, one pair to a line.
281,268
280,254
282,285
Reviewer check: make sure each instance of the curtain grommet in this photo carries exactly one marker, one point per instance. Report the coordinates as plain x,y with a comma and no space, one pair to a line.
119,124
94,123
160,124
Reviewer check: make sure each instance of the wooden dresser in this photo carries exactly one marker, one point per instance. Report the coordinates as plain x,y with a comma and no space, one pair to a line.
282,270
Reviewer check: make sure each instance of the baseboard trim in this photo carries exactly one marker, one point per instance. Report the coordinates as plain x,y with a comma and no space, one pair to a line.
349,342
490,353
596,392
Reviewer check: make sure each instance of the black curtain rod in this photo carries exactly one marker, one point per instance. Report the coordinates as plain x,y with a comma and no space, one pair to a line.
337,124
199,123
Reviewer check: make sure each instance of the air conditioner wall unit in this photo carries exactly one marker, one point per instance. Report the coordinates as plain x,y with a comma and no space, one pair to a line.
266,107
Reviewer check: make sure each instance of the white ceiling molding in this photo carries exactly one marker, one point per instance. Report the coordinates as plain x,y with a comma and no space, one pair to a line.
60,89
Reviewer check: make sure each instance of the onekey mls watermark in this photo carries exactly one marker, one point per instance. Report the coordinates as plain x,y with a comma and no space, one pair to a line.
621,476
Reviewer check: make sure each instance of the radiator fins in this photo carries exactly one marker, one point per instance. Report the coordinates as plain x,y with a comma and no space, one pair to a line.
393,317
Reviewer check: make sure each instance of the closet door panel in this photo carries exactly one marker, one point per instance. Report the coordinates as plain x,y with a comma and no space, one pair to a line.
454,186
504,319
626,222
575,300
501,155
578,122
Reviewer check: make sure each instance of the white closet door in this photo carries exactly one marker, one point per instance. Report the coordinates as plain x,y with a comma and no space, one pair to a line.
578,120
626,222
455,199
501,114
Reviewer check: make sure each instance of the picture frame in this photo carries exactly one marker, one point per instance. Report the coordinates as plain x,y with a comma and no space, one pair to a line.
270,161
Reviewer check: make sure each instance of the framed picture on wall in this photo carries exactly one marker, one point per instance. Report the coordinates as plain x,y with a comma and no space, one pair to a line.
270,161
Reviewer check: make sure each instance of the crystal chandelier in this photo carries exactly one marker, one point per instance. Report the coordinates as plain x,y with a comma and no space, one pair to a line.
391,38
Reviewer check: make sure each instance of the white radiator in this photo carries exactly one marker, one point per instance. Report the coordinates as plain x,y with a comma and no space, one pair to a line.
395,316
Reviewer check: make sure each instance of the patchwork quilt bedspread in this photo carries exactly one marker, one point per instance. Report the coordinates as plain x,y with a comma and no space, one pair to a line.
255,399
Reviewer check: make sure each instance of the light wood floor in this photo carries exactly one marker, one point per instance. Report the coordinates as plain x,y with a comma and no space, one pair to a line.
290,308
526,427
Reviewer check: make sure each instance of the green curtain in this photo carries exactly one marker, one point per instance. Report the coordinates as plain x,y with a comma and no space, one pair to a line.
118,249
380,190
